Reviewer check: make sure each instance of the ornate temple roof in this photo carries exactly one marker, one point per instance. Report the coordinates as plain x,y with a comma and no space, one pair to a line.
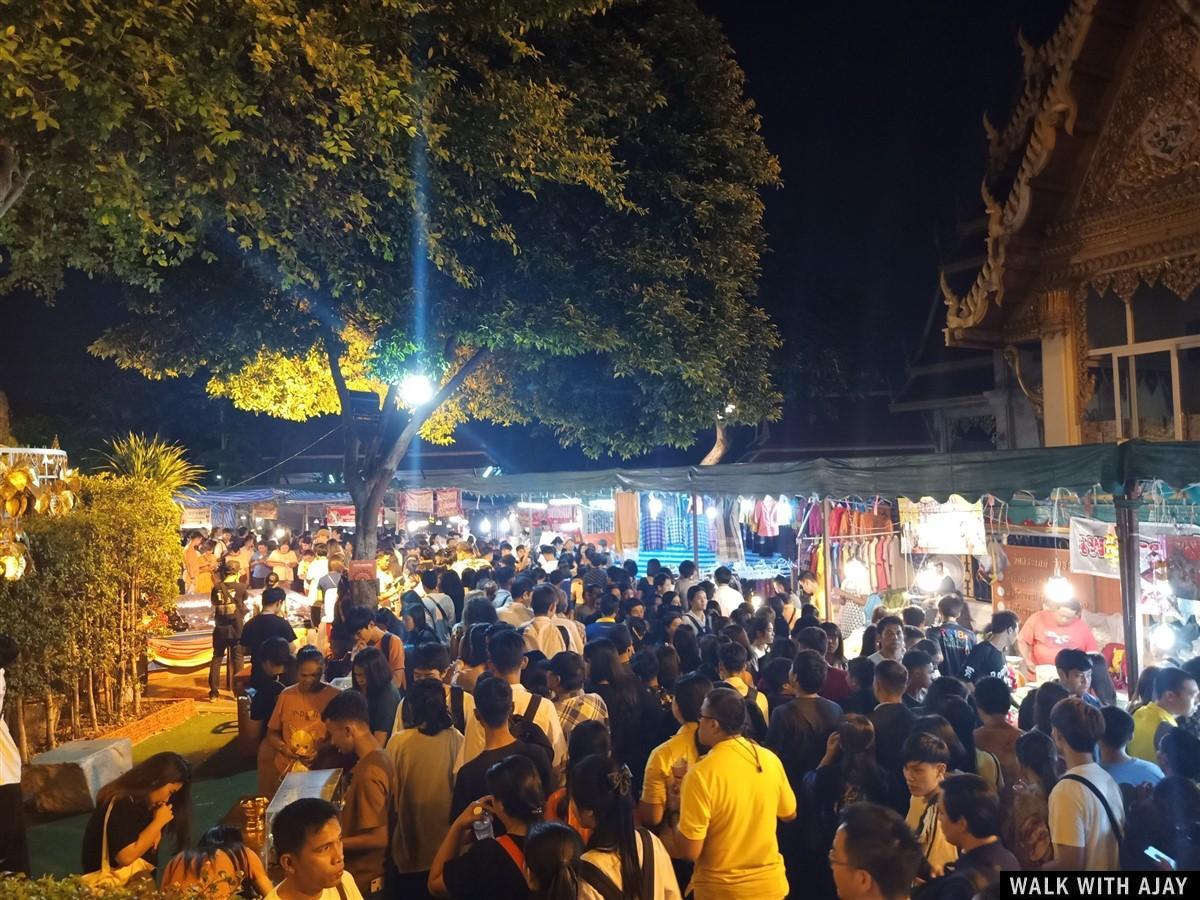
1094,178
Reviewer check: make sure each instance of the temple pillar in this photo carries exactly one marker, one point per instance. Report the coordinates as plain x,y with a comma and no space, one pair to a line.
1062,415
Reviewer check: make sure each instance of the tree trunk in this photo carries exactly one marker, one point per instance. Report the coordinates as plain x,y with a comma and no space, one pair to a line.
121,658
719,448
91,698
135,652
51,719
76,724
22,736
366,545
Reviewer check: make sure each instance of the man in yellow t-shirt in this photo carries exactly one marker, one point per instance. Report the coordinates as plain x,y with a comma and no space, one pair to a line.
729,805
1174,697
674,757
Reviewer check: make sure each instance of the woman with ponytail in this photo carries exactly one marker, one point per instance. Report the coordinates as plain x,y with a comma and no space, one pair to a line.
552,861
483,854
620,862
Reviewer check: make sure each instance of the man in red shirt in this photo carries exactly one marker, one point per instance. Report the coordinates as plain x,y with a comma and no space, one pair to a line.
1056,627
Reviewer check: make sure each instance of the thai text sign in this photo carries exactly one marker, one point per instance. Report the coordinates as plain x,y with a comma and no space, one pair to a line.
1094,548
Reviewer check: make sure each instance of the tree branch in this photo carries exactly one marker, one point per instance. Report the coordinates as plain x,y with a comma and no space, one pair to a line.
12,178
719,448
350,448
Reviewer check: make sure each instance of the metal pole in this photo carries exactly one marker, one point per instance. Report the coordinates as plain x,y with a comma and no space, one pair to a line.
826,508
1128,548
695,535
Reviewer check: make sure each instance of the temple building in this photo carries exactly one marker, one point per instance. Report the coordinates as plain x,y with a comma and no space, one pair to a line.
1071,316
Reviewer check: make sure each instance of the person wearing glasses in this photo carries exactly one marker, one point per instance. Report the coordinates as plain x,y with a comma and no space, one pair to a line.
730,801
875,856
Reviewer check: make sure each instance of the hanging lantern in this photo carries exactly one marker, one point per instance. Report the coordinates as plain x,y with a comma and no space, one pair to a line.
13,558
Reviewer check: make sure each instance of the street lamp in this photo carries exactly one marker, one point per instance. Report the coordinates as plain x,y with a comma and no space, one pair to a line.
416,389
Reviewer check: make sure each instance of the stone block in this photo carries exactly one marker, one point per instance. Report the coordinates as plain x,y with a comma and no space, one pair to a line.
68,778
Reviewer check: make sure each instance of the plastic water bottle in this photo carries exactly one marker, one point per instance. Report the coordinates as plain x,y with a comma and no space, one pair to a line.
483,827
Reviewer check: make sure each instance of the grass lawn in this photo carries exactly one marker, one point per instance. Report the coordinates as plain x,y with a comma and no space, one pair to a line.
219,777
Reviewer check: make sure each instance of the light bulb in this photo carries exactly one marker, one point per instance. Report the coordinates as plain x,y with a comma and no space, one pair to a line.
1059,589
416,389
502,526
711,512
1164,637
485,526
929,579
655,506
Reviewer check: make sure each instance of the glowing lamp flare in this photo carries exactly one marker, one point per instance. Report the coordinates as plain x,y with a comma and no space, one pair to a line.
1059,589
929,579
486,526
416,389
655,506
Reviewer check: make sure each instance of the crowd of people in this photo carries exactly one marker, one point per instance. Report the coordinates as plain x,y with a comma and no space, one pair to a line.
548,724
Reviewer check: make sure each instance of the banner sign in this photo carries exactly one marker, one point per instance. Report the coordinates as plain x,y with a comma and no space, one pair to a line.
343,516
362,570
1094,548
195,517
264,511
954,527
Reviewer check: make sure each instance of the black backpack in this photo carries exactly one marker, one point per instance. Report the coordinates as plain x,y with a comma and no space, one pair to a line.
756,722
604,886
524,729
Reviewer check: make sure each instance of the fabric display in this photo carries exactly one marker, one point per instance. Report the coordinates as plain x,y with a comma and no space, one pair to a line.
447,503
727,525
419,501
654,529
626,516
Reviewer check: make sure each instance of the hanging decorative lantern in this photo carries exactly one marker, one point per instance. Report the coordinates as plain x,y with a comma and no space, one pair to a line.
14,559
24,490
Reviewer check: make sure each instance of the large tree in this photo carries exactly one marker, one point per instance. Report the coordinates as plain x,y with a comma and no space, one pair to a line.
551,208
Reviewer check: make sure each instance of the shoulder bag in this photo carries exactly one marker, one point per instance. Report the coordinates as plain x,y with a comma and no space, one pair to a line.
108,877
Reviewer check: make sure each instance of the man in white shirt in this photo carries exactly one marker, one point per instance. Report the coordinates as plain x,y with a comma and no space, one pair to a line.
891,640
317,569
1086,835
517,613
542,632
727,598
549,560
307,837
506,659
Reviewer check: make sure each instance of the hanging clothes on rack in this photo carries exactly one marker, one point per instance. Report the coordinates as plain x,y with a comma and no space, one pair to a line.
654,533
625,520
676,521
730,549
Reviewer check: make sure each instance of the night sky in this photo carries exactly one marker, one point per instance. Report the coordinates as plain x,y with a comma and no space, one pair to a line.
874,111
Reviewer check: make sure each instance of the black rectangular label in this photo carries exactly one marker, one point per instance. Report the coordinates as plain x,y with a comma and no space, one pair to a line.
1097,884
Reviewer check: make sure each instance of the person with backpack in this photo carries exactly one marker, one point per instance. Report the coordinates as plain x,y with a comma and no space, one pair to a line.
542,633
229,614
364,624
620,861
494,713
432,661
1087,812
534,719
733,658
472,862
